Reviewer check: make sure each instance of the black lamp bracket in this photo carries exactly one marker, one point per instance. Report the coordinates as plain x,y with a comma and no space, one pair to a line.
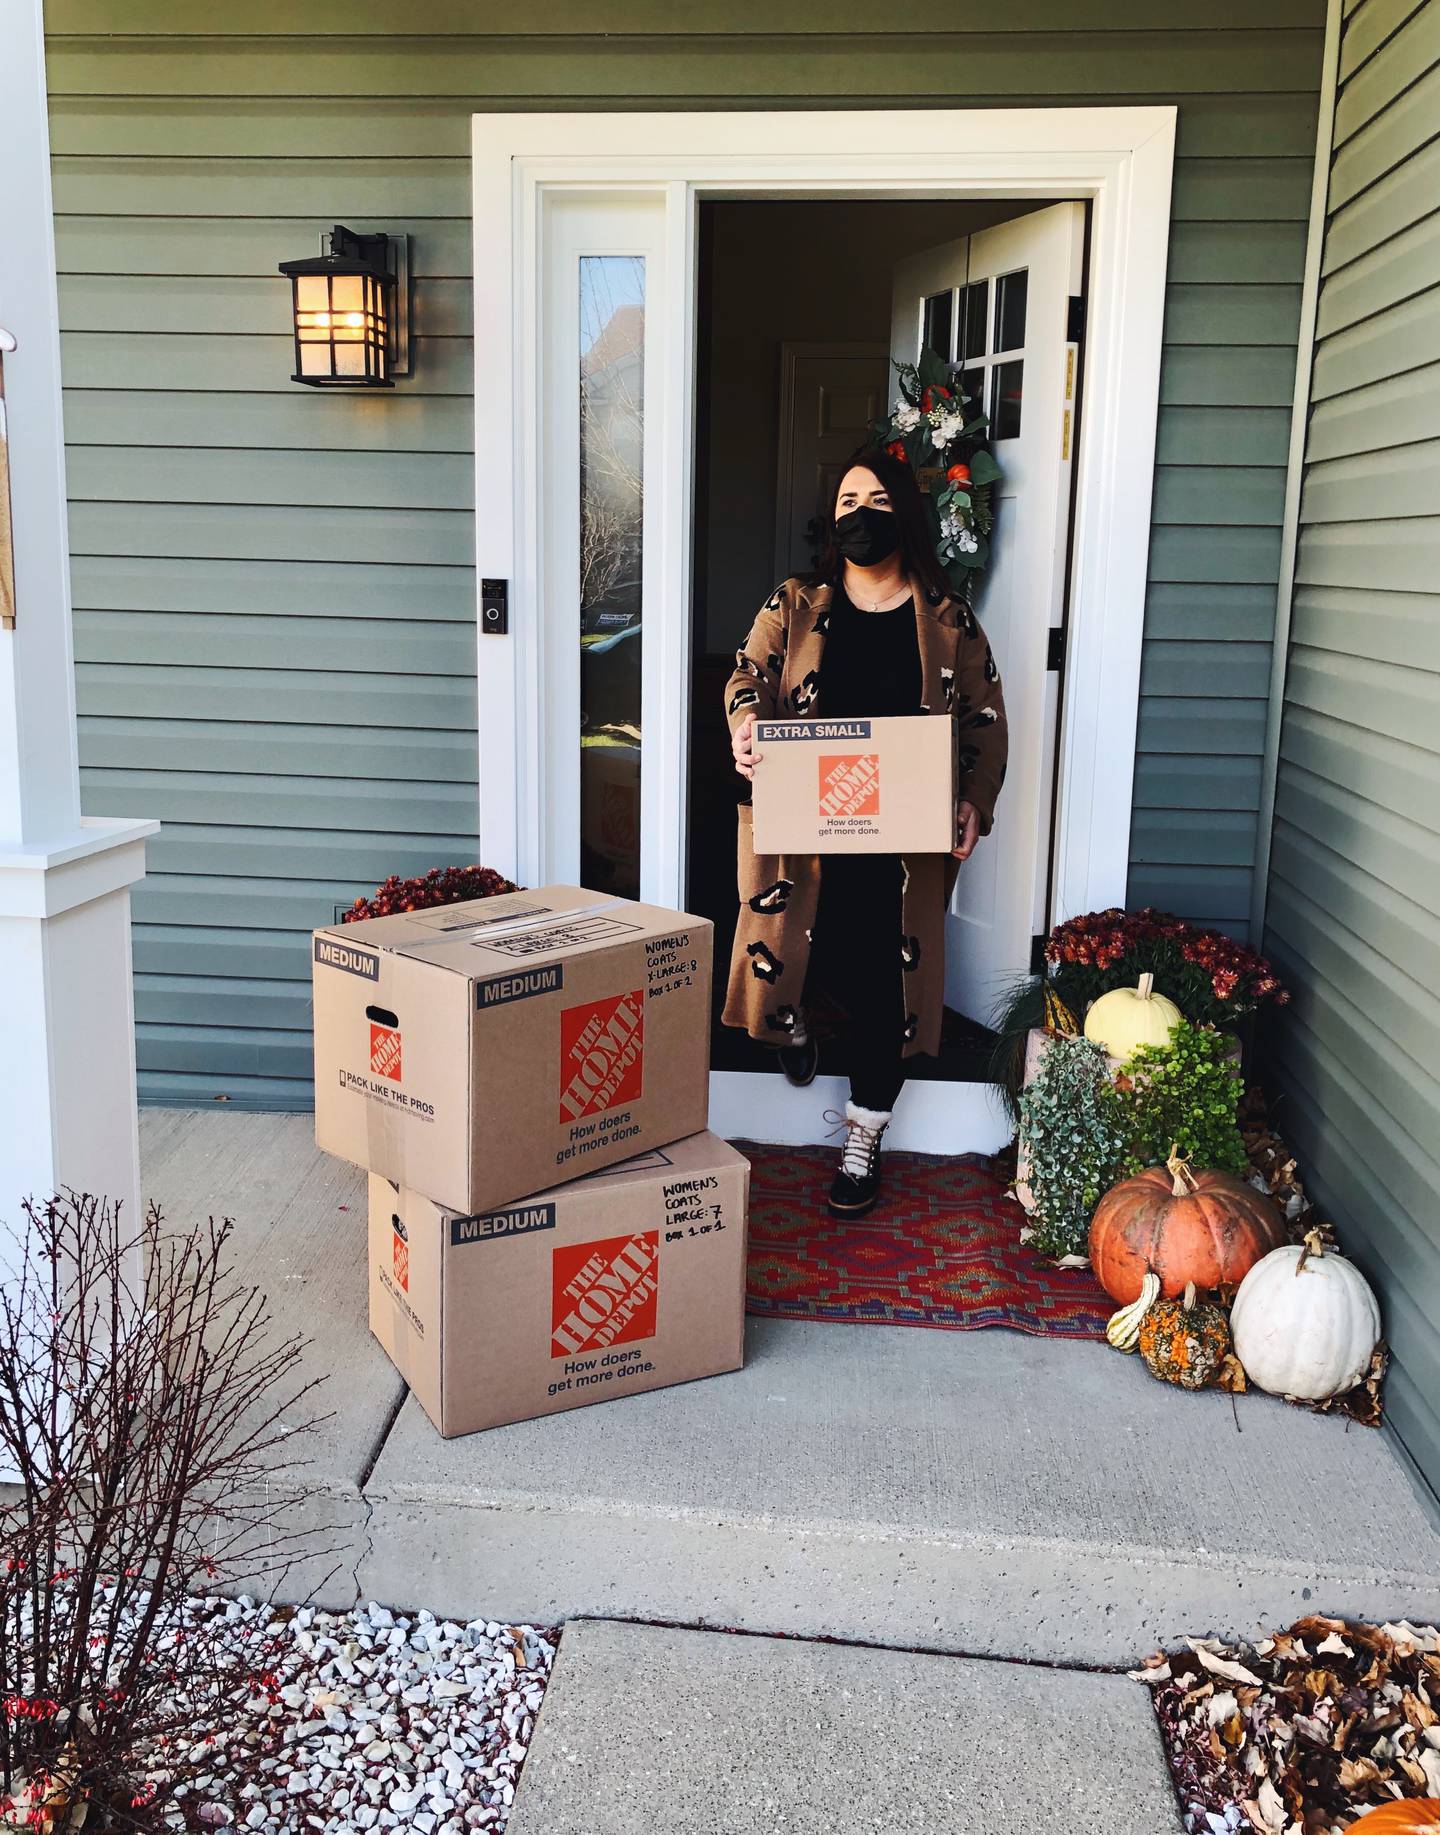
389,249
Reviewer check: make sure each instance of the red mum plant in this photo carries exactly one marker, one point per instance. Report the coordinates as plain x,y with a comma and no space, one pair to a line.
440,886
1213,979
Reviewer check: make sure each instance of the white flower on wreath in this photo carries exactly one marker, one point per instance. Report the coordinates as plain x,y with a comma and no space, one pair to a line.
907,419
945,427
967,542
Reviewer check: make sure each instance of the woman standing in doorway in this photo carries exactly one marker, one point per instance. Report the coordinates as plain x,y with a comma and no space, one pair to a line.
876,631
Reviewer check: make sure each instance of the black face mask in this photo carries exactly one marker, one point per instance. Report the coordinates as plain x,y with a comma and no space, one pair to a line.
867,536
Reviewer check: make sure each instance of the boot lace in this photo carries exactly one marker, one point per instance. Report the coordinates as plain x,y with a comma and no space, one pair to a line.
862,1144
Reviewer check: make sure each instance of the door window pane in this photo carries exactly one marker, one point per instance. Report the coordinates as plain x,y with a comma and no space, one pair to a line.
938,323
977,301
972,387
1010,310
1007,400
612,425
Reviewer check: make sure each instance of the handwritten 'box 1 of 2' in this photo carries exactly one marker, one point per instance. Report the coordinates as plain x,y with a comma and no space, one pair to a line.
624,1280
855,786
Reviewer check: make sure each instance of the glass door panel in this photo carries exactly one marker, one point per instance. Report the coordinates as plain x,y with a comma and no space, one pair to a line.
612,510
603,764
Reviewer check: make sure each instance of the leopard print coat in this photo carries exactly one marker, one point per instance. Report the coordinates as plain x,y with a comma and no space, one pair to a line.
777,676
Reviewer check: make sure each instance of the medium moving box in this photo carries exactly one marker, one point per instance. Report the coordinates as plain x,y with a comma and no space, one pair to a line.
479,1051
855,786
624,1280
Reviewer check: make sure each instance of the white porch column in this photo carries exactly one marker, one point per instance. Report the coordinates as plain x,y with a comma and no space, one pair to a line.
67,1048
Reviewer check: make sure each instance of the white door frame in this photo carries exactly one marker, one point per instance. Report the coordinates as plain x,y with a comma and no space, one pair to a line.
1122,158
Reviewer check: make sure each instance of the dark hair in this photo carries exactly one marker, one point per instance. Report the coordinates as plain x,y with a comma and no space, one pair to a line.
917,542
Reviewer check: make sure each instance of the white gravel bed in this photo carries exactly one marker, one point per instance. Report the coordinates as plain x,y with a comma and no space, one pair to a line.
367,1719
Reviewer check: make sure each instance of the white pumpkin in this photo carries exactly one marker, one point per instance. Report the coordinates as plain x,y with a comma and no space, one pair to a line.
1127,1018
1305,1322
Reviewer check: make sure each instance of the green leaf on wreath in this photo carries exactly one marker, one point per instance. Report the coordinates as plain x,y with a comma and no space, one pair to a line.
933,370
983,469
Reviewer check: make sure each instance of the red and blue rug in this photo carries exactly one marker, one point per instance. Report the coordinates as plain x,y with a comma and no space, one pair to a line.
942,1248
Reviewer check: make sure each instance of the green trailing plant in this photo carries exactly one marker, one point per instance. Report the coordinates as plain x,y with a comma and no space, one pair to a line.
1184,1094
1073,1138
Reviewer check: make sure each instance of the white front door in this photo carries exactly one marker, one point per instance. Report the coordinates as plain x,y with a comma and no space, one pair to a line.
600,585
998,304
554,190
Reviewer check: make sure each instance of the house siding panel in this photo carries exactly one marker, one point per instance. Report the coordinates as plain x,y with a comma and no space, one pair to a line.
1353,916
274,592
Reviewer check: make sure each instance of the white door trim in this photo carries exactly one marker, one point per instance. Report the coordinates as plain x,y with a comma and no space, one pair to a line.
1122,158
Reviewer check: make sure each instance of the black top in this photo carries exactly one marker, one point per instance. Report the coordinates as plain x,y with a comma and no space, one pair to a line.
870,667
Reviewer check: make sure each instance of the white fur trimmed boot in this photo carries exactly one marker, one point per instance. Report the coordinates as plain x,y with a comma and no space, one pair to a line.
857,1179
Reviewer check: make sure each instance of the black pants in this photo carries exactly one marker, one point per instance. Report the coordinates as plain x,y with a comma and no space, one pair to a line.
855,957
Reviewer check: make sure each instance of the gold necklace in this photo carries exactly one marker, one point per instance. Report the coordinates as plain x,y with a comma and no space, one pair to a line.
896,599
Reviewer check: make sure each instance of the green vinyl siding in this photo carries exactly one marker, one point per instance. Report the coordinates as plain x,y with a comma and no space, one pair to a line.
1353,917
274,589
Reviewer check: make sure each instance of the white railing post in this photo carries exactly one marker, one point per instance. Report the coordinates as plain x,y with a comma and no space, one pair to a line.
67,1063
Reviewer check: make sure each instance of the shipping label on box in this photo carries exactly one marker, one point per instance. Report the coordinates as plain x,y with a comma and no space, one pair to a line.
855,786
624,1280
477,1052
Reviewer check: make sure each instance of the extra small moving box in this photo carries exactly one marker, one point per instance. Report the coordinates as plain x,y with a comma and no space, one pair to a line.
624,1280
855,786
476,1052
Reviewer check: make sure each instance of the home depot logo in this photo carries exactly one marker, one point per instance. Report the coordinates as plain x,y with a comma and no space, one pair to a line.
400,1250
604,1293
385,1051
602,1054
849,785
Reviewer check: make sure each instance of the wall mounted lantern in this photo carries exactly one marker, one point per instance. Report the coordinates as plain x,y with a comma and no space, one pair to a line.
352,311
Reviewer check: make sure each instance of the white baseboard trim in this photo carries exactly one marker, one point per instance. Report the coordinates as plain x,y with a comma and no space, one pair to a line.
929,1117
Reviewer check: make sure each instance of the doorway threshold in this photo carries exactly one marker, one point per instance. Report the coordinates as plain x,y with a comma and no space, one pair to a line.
964,1055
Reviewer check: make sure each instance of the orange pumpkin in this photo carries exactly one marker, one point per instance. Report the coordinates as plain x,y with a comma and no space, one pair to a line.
1407,1816
1206,1227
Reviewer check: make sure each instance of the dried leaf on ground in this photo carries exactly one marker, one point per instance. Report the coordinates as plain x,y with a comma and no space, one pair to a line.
1320,1723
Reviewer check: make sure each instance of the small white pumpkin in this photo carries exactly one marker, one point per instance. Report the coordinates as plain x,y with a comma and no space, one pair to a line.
1305,1322
1127,1018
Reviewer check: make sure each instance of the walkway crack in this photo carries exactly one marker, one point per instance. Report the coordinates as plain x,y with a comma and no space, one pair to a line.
366,1472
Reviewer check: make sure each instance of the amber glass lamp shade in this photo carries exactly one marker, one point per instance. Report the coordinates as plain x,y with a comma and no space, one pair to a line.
341,308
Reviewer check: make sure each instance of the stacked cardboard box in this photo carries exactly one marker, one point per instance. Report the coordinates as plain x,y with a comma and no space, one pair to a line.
472,1057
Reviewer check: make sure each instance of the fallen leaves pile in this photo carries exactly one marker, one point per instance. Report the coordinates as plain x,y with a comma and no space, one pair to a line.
1303,1732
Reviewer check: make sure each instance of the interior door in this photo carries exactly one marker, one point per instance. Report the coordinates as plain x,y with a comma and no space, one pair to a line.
998,306
831,395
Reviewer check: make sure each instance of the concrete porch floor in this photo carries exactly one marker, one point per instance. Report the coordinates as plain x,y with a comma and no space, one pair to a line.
977,1492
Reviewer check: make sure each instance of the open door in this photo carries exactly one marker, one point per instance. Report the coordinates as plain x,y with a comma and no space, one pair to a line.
1005,305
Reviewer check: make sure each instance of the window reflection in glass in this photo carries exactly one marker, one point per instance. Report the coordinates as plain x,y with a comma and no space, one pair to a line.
977,301
938,323
1007,400
612,425
1011,290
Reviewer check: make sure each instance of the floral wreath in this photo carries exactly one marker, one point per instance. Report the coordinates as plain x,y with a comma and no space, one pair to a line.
935,428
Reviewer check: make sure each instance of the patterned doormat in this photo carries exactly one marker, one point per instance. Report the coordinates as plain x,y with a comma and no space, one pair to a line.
942,1248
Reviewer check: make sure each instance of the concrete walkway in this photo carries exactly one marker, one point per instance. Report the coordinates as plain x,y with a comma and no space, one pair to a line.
645,1729
973,1492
